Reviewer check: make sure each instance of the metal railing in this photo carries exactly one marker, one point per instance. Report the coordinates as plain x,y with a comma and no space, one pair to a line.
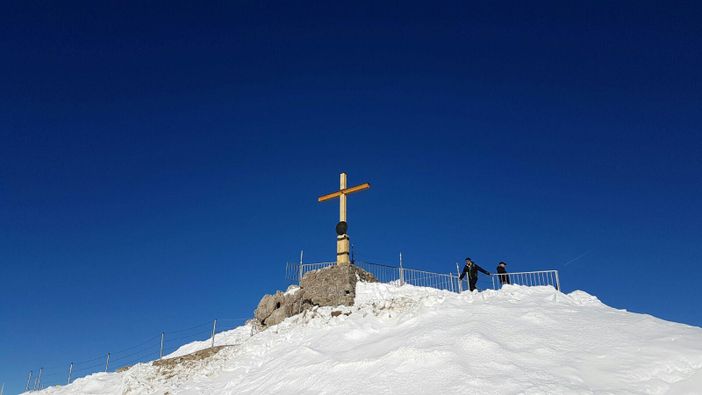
423,278
449,282
383,273
531,279
295,271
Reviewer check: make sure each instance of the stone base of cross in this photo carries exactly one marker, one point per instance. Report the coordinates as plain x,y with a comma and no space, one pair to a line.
343,255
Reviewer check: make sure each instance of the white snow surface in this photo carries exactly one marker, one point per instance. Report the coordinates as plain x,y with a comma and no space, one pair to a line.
415,340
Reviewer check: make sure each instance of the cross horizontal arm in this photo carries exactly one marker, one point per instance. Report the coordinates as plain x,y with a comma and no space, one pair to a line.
346,191
329,196
357,188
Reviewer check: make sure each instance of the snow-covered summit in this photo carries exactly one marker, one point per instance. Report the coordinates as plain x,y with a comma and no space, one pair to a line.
415,340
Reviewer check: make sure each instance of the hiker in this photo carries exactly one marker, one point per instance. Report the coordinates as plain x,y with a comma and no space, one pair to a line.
503,276
472,270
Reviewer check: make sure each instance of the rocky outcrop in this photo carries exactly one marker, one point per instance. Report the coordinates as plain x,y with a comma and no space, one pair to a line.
273,309
332,286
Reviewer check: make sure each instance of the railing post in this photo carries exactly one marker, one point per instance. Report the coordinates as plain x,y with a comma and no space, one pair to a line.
214,328
107,363
558,282
458,279
29,379
70,370
299,274
402,272
160,353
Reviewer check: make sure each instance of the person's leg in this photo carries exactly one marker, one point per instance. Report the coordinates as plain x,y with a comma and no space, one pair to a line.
472,284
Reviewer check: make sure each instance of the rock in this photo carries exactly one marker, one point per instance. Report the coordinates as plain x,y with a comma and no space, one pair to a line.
332,286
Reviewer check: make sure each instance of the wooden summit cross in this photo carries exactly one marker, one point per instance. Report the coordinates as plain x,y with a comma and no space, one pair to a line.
342,239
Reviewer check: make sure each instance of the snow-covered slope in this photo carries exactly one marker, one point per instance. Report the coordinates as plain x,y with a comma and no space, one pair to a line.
413,340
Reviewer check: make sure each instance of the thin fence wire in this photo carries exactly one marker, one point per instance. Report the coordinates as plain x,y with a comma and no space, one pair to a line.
144,351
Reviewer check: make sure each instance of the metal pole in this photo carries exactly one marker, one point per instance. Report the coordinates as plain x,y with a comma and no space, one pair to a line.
38,384
107,364
299,275
70,370
2,389
302,253
458,279
402,272
214,328
29,379
160,354
558,282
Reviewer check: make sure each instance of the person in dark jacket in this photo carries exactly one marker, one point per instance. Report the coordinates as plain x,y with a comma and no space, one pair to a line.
472,270
503,276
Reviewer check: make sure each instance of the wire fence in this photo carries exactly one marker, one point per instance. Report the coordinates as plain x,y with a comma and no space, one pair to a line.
167,342
150,349
450,281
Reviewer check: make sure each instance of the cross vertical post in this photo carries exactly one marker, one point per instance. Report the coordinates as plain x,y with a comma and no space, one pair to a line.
342,238
342,198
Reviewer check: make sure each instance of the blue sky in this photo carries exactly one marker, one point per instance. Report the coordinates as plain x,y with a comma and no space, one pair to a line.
159,164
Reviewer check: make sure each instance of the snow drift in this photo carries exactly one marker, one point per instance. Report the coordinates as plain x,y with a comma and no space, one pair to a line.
415,340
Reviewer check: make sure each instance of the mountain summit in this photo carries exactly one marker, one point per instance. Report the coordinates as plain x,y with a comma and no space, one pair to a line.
415,340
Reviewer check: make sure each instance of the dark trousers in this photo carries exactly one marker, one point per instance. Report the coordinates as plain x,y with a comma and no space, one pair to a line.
472,282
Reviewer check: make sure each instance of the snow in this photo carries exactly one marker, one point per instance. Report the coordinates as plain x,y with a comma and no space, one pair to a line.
415,340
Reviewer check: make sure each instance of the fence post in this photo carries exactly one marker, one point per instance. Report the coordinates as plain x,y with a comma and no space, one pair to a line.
402,272
160,353
70,370
107,363
38,379
493,281
26,386
558,282
2,389
299,276
458,279
214,328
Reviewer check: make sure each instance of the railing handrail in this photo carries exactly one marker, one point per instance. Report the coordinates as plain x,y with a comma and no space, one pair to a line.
424,271
380,264
534,271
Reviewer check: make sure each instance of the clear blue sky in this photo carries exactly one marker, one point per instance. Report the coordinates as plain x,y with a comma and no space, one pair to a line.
159,164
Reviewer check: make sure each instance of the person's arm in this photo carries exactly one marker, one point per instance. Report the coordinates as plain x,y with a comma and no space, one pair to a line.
463,273
481,269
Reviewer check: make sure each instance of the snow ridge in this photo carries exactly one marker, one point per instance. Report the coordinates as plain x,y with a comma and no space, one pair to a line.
416,340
